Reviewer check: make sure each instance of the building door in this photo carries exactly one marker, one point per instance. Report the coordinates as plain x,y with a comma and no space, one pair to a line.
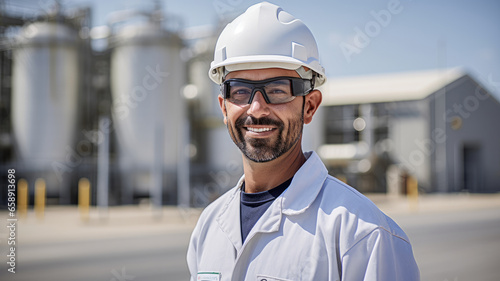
471,168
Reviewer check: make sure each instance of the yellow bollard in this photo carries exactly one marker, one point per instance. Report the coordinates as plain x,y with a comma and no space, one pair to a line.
412,189
22,198
84,198
40,198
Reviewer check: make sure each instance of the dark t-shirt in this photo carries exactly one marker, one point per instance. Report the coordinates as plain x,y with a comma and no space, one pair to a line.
253,205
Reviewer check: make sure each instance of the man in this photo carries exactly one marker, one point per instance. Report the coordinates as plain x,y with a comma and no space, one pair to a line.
286,219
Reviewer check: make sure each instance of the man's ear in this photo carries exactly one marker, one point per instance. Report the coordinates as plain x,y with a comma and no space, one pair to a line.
222,105
312,102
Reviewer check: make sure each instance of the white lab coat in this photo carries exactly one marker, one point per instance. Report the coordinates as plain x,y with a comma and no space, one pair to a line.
318,229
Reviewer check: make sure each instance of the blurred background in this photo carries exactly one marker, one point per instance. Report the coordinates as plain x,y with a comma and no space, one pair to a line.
107,105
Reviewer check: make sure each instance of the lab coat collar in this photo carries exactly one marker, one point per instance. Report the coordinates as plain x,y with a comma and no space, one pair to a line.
229,216
303,189
305,186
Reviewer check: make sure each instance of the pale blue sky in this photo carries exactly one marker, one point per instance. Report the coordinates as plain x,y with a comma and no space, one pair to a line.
467,31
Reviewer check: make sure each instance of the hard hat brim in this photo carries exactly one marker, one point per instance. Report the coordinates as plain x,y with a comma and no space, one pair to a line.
262,62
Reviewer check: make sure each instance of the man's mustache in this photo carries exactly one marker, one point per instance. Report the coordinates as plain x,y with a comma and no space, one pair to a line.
250,120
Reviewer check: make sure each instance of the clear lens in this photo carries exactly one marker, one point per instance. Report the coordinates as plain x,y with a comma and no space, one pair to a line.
239,92
277,91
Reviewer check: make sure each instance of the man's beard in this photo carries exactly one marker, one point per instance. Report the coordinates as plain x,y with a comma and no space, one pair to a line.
265,149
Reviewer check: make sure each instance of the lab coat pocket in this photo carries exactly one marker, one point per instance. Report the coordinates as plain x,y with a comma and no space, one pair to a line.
269,278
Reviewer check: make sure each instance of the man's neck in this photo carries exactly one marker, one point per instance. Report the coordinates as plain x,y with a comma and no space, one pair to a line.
264,176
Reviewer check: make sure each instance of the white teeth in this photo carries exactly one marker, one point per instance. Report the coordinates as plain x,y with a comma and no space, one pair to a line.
259,130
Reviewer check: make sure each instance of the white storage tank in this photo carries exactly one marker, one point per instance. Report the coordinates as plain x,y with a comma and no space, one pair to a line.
147,75
44,97
222,158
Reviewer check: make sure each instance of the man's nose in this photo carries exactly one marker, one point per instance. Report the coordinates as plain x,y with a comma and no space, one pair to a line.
259,107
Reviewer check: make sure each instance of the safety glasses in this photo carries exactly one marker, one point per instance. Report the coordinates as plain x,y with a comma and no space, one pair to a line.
275,90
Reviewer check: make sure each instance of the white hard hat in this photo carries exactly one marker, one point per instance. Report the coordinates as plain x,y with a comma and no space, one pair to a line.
265,36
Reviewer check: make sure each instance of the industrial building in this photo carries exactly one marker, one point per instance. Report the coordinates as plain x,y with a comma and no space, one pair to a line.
438,126
114,115
129,106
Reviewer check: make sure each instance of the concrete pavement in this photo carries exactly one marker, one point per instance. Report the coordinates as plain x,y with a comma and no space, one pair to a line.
454,236
65,222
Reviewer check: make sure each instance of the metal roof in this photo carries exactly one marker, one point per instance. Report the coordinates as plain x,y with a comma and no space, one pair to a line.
387,87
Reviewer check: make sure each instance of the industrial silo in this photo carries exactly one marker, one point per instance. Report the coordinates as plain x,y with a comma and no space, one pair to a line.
45,87
218,160
147,75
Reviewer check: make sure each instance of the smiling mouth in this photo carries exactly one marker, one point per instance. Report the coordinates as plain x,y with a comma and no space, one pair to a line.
259,130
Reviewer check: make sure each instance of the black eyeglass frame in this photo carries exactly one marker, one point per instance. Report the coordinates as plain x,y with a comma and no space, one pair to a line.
299,87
